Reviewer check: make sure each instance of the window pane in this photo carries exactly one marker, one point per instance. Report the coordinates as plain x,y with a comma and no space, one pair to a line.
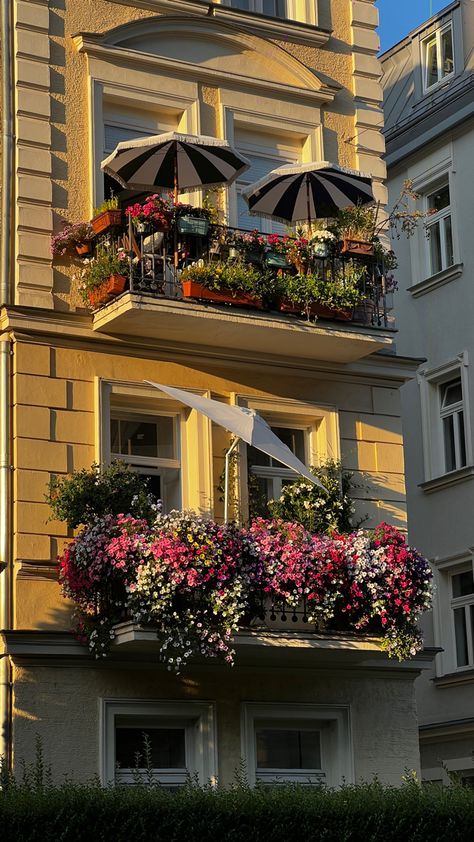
439,199
431,63
274,8
241,4
462,440
463,584
288,749
154,484
137,437
449,451
294,439
447,59
167,747
461,637
448,236
451,393
256,457
114,436
435,248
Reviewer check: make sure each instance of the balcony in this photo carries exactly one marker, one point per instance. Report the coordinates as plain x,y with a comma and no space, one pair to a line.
215,286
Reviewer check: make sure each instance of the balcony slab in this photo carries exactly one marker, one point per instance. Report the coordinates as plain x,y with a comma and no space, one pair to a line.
235,329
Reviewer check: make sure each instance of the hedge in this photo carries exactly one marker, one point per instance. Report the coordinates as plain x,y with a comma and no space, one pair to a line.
363,813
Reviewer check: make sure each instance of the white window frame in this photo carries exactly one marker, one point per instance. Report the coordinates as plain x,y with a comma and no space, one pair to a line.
320,422
277,473
443,618
452,411
425,42
256,6
462,602
336,743
194,438
157,466
439,219
429,381
198,718
287,154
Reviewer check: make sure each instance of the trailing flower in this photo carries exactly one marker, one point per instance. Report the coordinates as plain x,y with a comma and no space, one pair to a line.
72,235
196,582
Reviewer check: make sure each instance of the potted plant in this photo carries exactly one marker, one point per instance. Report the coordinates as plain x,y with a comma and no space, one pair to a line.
356,228
332,295
76,236
104,276
152,215
227,283
192,221
322,242
107,215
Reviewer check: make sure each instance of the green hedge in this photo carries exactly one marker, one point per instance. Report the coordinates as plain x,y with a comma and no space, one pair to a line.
366,813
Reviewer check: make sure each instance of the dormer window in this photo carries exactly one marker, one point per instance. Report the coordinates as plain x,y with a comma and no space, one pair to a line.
438,57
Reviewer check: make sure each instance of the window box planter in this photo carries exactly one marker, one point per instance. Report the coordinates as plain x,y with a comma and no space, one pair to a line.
273,260
364,312
357,248
106,220
223,296
196,226
341,314
82,249
114,285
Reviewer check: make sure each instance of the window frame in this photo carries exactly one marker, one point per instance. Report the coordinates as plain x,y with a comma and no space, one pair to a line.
289,155
443,617
453,411
464,602
195,462
430,381
198,719
256,7
435,37
278,473
439,218
336,741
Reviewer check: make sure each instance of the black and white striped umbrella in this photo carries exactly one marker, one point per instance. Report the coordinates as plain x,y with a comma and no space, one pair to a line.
175,161
308,191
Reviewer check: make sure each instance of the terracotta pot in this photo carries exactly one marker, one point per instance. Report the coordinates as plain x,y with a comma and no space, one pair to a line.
105,220
358,248
83,248
113,286
223,296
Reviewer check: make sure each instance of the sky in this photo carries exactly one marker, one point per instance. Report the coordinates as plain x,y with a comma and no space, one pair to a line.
399,17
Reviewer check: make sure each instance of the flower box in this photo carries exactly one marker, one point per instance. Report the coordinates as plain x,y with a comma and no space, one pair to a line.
357,248
222,296
342,314
83,249
106,220
113,286
197,226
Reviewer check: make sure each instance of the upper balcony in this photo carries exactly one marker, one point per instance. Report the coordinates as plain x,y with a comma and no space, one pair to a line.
202,283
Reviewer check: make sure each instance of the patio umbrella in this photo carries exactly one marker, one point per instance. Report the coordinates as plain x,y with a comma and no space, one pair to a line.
245,424
174,161
308,191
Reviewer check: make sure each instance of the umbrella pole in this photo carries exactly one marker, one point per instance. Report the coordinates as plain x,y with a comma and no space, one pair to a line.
226,478
175,227
308,207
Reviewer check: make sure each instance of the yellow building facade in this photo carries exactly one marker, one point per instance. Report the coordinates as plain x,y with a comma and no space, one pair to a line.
290,82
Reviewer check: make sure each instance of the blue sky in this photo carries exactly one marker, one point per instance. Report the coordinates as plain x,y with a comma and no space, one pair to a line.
399,17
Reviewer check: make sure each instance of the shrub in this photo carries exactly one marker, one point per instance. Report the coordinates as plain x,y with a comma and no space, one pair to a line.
92,493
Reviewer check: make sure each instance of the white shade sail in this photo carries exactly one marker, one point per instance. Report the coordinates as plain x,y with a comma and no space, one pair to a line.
244,423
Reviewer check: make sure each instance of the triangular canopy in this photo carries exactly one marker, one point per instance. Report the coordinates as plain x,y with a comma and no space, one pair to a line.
244,423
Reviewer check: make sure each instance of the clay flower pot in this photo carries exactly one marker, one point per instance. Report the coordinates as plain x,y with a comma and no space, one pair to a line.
114,285
357,248
222,296
106,220
83,249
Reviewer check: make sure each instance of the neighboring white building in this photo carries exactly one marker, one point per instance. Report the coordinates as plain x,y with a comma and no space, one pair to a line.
429,129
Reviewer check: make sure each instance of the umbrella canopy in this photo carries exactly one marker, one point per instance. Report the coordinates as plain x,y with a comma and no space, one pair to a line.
244,423
174,161
308,191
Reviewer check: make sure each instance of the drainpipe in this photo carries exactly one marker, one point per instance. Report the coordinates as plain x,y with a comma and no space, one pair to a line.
5,372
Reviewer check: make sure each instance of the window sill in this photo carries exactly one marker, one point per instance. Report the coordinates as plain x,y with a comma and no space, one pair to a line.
273,27
437,280
454,679
447,480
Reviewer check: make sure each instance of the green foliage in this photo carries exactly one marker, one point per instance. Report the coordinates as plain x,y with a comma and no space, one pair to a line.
337,289
107,262
236,276
362,813
90,493
108,204
317,510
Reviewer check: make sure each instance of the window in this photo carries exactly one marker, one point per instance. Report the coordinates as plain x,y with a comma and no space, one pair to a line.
438,56
149,444
462,607
170,740
439,229
272,8
267,476
452,420
296,743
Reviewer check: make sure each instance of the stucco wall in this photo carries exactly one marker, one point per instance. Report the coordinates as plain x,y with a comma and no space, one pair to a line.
62,706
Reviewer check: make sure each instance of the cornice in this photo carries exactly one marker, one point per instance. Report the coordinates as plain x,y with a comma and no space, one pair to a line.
278,28
93,45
